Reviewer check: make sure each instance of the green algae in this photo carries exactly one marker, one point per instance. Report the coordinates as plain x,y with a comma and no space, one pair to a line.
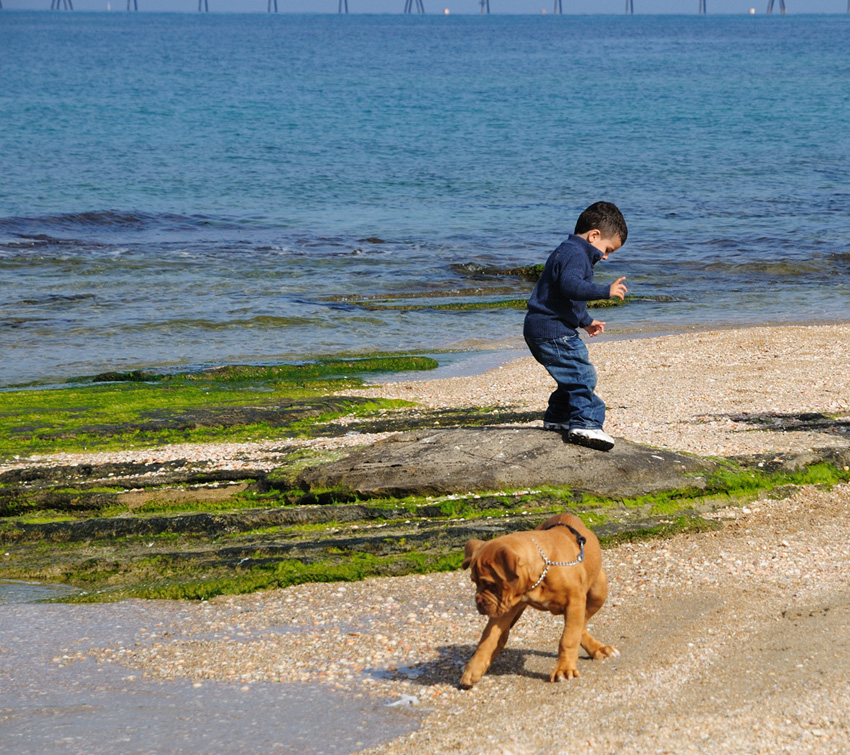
320,369
667,529
360,537
489,304
528,272
235,404
728,485
454,306
396,539
267,577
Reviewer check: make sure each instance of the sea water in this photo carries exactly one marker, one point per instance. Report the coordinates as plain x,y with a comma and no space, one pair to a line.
184,190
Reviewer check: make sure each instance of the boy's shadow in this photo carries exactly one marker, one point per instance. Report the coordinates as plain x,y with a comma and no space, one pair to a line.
786,423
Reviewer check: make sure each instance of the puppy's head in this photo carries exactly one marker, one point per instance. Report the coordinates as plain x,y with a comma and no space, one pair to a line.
496,572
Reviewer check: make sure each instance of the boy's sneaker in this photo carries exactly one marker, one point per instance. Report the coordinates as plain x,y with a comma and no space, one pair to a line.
592,438
558,427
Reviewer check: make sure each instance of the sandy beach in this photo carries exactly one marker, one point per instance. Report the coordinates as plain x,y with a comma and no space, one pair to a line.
715,393
736,641
720,393
731,641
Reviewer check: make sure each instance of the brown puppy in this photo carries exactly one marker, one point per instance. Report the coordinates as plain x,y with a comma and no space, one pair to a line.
511,573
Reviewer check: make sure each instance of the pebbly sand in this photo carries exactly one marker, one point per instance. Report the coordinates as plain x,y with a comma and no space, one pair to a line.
717,393
699,393
731,641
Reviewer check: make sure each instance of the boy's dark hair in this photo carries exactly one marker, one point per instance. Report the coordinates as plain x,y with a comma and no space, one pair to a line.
604,217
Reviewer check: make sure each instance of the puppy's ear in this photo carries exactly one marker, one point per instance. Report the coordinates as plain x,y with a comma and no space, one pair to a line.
510,565
469,552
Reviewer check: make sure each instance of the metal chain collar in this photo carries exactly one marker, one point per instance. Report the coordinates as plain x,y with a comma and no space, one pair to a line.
549,563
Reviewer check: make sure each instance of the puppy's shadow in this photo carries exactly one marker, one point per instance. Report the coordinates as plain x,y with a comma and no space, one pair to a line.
448,667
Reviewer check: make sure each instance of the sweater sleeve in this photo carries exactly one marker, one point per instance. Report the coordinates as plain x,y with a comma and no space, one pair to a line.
573,286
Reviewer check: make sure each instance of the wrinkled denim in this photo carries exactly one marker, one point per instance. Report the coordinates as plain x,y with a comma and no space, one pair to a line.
573,402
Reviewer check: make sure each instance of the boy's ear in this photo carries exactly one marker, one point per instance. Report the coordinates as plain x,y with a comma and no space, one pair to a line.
594,234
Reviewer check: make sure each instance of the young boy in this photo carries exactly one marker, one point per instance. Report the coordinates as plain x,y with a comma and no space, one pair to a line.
557,308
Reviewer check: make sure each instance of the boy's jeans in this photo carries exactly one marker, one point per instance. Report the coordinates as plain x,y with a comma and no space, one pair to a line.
573,402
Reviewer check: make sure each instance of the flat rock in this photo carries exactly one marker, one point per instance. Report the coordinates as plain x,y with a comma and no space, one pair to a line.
439,462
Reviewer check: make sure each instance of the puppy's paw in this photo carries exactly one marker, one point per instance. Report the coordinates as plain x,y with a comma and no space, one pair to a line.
562,675
606,651
468,680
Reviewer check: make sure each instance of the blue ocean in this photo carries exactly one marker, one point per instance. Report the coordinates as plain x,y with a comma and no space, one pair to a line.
180,190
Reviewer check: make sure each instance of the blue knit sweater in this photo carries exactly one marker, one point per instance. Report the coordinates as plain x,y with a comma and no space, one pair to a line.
557,305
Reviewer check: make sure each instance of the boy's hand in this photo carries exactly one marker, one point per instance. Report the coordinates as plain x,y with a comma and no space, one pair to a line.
595,328
618,289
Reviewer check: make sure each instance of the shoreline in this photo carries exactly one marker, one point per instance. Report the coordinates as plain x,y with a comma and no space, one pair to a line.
518,346
737,392
458,355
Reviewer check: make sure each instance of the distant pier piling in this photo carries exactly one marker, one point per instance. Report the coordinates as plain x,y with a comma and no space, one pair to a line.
343,6
203,5
135,4
272,2
409,5
702,8
630,7
782,6
59,4
485,5
558,7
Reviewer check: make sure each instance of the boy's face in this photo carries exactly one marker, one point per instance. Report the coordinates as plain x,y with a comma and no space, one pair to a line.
605,244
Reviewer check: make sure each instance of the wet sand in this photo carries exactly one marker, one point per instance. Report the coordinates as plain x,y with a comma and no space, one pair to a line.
58,698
